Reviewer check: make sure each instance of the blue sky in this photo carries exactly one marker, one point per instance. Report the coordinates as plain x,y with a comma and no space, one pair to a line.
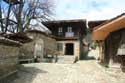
88,9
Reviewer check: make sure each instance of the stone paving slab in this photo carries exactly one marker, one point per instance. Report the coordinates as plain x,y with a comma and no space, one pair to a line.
81,72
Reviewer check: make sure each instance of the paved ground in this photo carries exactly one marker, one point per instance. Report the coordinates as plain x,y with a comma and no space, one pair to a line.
81,72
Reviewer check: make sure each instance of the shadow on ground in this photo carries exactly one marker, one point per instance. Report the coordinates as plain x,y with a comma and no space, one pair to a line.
25,75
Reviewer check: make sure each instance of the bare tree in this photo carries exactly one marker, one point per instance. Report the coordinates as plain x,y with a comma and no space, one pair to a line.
36,9
23,12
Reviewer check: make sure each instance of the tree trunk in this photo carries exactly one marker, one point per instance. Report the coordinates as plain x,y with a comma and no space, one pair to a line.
7,19
1,20
19,21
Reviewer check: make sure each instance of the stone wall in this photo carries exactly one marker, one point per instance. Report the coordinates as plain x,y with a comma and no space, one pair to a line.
8,57
39,46
26,50
48,41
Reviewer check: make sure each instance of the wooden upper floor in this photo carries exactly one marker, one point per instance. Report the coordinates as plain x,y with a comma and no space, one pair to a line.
67,28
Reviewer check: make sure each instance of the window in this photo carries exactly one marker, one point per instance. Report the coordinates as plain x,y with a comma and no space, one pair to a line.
69,29
59,46
69,32
60,31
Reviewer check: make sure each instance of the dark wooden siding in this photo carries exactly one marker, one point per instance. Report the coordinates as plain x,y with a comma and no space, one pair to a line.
112,44
77,27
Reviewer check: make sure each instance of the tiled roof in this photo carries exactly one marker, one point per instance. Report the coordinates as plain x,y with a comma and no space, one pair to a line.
60,21
109,21
7,41
92,24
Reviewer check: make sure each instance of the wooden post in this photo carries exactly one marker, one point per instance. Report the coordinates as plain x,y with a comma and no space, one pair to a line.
101,51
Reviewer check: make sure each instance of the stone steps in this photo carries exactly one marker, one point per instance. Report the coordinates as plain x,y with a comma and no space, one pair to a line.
66,59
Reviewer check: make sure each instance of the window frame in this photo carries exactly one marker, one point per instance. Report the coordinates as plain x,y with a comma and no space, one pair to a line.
60,31
60,46
69,29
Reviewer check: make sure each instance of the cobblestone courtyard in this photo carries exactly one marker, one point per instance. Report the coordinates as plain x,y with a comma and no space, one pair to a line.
81,72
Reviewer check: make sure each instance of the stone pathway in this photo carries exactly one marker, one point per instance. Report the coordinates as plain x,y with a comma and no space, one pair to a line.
81,72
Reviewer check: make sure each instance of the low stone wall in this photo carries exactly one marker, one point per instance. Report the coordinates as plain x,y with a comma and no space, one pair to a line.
8,56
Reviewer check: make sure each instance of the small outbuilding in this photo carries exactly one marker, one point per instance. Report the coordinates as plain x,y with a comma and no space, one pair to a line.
42,46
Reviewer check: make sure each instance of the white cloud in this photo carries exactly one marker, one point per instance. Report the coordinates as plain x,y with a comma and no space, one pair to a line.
89,9
102,15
